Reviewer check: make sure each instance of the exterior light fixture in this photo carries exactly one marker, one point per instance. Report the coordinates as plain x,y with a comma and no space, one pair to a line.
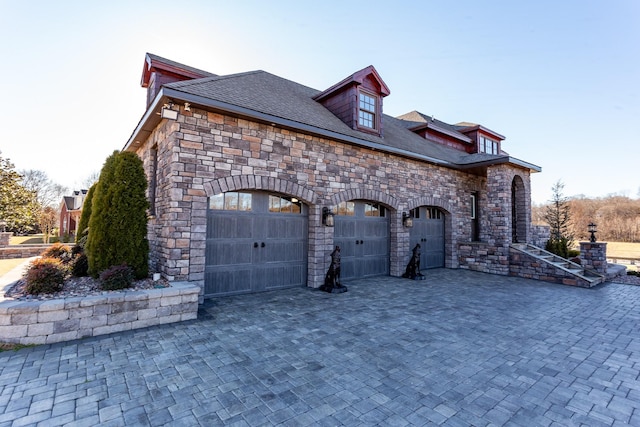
3,226
327,217
592,229
168,113
407,220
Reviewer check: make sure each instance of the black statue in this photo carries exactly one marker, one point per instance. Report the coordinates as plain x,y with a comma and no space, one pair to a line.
413,268
332,279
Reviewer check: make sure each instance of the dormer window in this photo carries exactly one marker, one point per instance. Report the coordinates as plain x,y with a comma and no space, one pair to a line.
488,146
367,110
357,100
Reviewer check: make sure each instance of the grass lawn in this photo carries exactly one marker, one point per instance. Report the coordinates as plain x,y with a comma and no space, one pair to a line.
623,250
30,239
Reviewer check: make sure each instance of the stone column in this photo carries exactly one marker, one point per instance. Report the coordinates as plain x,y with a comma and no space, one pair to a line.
594,256
4,238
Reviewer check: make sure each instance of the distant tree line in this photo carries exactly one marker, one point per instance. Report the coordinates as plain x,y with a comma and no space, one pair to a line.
617,217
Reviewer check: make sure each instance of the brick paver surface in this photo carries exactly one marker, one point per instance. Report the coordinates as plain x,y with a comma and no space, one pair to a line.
458,349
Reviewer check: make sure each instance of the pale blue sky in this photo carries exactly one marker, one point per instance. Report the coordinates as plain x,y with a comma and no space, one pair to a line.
560,79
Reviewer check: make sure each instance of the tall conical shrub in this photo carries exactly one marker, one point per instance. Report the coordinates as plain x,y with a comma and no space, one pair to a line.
83,225
118,222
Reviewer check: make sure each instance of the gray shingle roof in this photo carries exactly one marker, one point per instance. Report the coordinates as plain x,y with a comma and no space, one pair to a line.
273,97
269,94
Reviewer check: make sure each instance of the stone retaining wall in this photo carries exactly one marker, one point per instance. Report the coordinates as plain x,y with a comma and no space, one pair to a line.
21,251
45,322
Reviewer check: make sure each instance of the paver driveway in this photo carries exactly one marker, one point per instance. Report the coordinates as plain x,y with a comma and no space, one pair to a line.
460,348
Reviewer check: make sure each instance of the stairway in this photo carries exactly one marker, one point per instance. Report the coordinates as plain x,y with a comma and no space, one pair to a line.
560,269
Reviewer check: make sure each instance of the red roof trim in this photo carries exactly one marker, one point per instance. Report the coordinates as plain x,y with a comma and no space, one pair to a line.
151,64
356,78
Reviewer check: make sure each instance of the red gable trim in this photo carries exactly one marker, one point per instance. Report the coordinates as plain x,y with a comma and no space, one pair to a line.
157,64
356,78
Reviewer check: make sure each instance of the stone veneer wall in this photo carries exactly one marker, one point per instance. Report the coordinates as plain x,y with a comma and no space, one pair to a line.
19,251
594,256
205,153
540,235
45,322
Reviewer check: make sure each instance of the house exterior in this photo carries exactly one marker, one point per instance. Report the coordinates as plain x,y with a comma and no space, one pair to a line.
70,212
255,179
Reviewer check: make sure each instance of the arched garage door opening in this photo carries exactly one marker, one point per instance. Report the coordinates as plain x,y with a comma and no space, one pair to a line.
256,241
362,232
428,231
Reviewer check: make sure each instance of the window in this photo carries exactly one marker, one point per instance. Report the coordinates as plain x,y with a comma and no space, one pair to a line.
374,210
433,213
231,201
486,145
367,111
284,204
153,185
346,208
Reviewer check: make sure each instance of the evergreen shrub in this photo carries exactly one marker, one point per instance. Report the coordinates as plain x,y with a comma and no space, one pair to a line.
118,222
80,266
45,276
116,277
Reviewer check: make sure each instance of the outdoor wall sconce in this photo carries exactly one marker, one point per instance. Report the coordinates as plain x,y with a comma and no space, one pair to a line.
327,217
3,226
168,113
592,229
407,220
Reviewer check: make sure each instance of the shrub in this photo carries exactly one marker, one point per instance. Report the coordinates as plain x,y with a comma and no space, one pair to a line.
58,251
45,276
116,277
118,222
633,273
80,266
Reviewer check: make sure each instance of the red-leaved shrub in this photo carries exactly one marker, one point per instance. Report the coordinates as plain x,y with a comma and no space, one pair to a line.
45,276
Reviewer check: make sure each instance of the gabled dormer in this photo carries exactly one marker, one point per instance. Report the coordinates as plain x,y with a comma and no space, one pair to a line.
357,100
158,71
486,140
437,131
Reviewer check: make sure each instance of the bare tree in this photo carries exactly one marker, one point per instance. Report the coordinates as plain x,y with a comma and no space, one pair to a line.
47,220
90,180
47,192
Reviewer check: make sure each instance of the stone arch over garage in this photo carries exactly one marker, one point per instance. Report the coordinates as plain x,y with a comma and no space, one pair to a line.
358,193
253,182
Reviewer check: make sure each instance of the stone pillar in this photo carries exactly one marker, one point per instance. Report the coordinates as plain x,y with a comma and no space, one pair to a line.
594,256
4,238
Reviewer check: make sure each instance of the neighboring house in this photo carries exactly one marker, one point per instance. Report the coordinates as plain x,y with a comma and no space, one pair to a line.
246,170
70,212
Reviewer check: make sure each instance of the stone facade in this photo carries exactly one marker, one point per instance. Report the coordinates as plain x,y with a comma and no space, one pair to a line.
204,153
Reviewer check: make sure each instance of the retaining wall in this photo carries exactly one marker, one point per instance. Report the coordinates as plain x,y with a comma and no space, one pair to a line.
22,251
45,322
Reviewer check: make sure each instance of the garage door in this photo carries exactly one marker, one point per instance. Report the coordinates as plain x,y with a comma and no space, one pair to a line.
428,230
362,232
255,242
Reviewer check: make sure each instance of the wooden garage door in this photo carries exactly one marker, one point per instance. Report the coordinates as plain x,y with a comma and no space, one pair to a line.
362,232
255,242
428,230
